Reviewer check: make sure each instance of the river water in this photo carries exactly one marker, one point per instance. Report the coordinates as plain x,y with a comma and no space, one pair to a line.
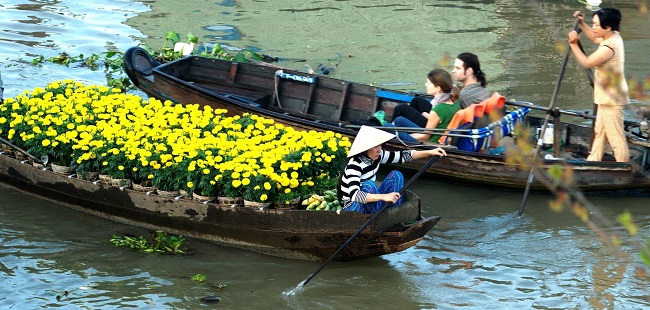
480,255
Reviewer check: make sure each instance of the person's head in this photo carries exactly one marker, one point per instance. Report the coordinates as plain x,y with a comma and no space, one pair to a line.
606,18
438,78
467,68
369,141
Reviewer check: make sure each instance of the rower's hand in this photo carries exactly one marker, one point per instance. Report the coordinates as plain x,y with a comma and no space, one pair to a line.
391,197
579,16
574,37
438,152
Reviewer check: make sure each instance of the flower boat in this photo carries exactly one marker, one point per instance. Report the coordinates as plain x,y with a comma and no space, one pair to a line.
182,154
298,234
309,101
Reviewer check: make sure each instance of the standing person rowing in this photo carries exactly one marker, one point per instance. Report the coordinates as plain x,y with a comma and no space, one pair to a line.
610,87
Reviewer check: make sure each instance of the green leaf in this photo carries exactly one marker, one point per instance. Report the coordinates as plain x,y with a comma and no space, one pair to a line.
173,36
255,56
192,38
241,58
216,49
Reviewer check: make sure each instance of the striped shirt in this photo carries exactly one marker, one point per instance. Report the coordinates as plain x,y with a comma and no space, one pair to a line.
361,168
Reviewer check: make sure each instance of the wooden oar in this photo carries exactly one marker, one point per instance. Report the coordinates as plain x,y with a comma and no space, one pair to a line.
372,219
531,175
43,161
555,112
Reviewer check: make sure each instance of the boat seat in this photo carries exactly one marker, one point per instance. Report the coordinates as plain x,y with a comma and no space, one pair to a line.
281,75
468,115
474,140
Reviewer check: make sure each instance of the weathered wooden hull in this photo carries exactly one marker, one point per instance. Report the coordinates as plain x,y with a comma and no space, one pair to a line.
299,234
242,88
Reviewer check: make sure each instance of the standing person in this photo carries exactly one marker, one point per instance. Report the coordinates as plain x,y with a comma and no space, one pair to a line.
610,88
467,70
357,188
440,85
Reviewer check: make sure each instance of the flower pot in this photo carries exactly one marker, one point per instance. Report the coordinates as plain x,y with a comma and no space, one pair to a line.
169,194
7,150
121,182
255,204
202,198
105,179
237,201
20,156
293,204
185,194
86,175
58,168
144,186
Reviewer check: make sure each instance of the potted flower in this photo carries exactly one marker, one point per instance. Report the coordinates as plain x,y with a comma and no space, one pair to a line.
257,189
231,185
168,178
207,188
118,165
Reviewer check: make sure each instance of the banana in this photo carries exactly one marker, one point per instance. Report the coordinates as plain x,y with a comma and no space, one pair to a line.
322,205
313,205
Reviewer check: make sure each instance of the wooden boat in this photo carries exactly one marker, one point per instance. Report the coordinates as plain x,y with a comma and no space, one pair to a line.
299,234
308,101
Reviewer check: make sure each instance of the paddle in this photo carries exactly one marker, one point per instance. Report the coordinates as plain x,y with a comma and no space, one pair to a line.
531,175
372,219
43,159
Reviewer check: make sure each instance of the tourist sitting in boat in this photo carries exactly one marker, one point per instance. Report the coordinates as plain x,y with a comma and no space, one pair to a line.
440,85
357,188
467,70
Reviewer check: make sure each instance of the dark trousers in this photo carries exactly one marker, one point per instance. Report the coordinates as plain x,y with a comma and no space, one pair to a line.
414,110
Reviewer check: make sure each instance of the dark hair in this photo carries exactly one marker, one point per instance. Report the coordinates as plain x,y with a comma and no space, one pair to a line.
471,61
442,79
609,17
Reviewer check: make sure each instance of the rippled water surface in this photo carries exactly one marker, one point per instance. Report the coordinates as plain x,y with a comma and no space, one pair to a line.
480,255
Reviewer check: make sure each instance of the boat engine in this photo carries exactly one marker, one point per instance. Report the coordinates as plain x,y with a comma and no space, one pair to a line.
642,114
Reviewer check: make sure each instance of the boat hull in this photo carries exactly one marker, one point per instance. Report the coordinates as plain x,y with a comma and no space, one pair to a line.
298,234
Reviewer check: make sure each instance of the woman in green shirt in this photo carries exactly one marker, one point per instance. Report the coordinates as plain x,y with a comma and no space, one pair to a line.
440,85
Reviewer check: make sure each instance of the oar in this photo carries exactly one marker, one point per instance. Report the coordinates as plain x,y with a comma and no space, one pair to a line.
409,129
554,112
531,174
372,219
43,160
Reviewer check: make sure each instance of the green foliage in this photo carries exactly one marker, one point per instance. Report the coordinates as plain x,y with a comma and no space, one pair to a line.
199,277
174,49
160,243
110,61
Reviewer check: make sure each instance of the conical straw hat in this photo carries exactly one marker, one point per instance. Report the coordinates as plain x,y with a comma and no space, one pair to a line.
367,138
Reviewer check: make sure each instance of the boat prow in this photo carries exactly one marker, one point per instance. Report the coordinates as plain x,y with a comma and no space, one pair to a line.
137,62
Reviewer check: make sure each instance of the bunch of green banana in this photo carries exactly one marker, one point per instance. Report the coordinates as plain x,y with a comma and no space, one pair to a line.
314,202
332,201
327,202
